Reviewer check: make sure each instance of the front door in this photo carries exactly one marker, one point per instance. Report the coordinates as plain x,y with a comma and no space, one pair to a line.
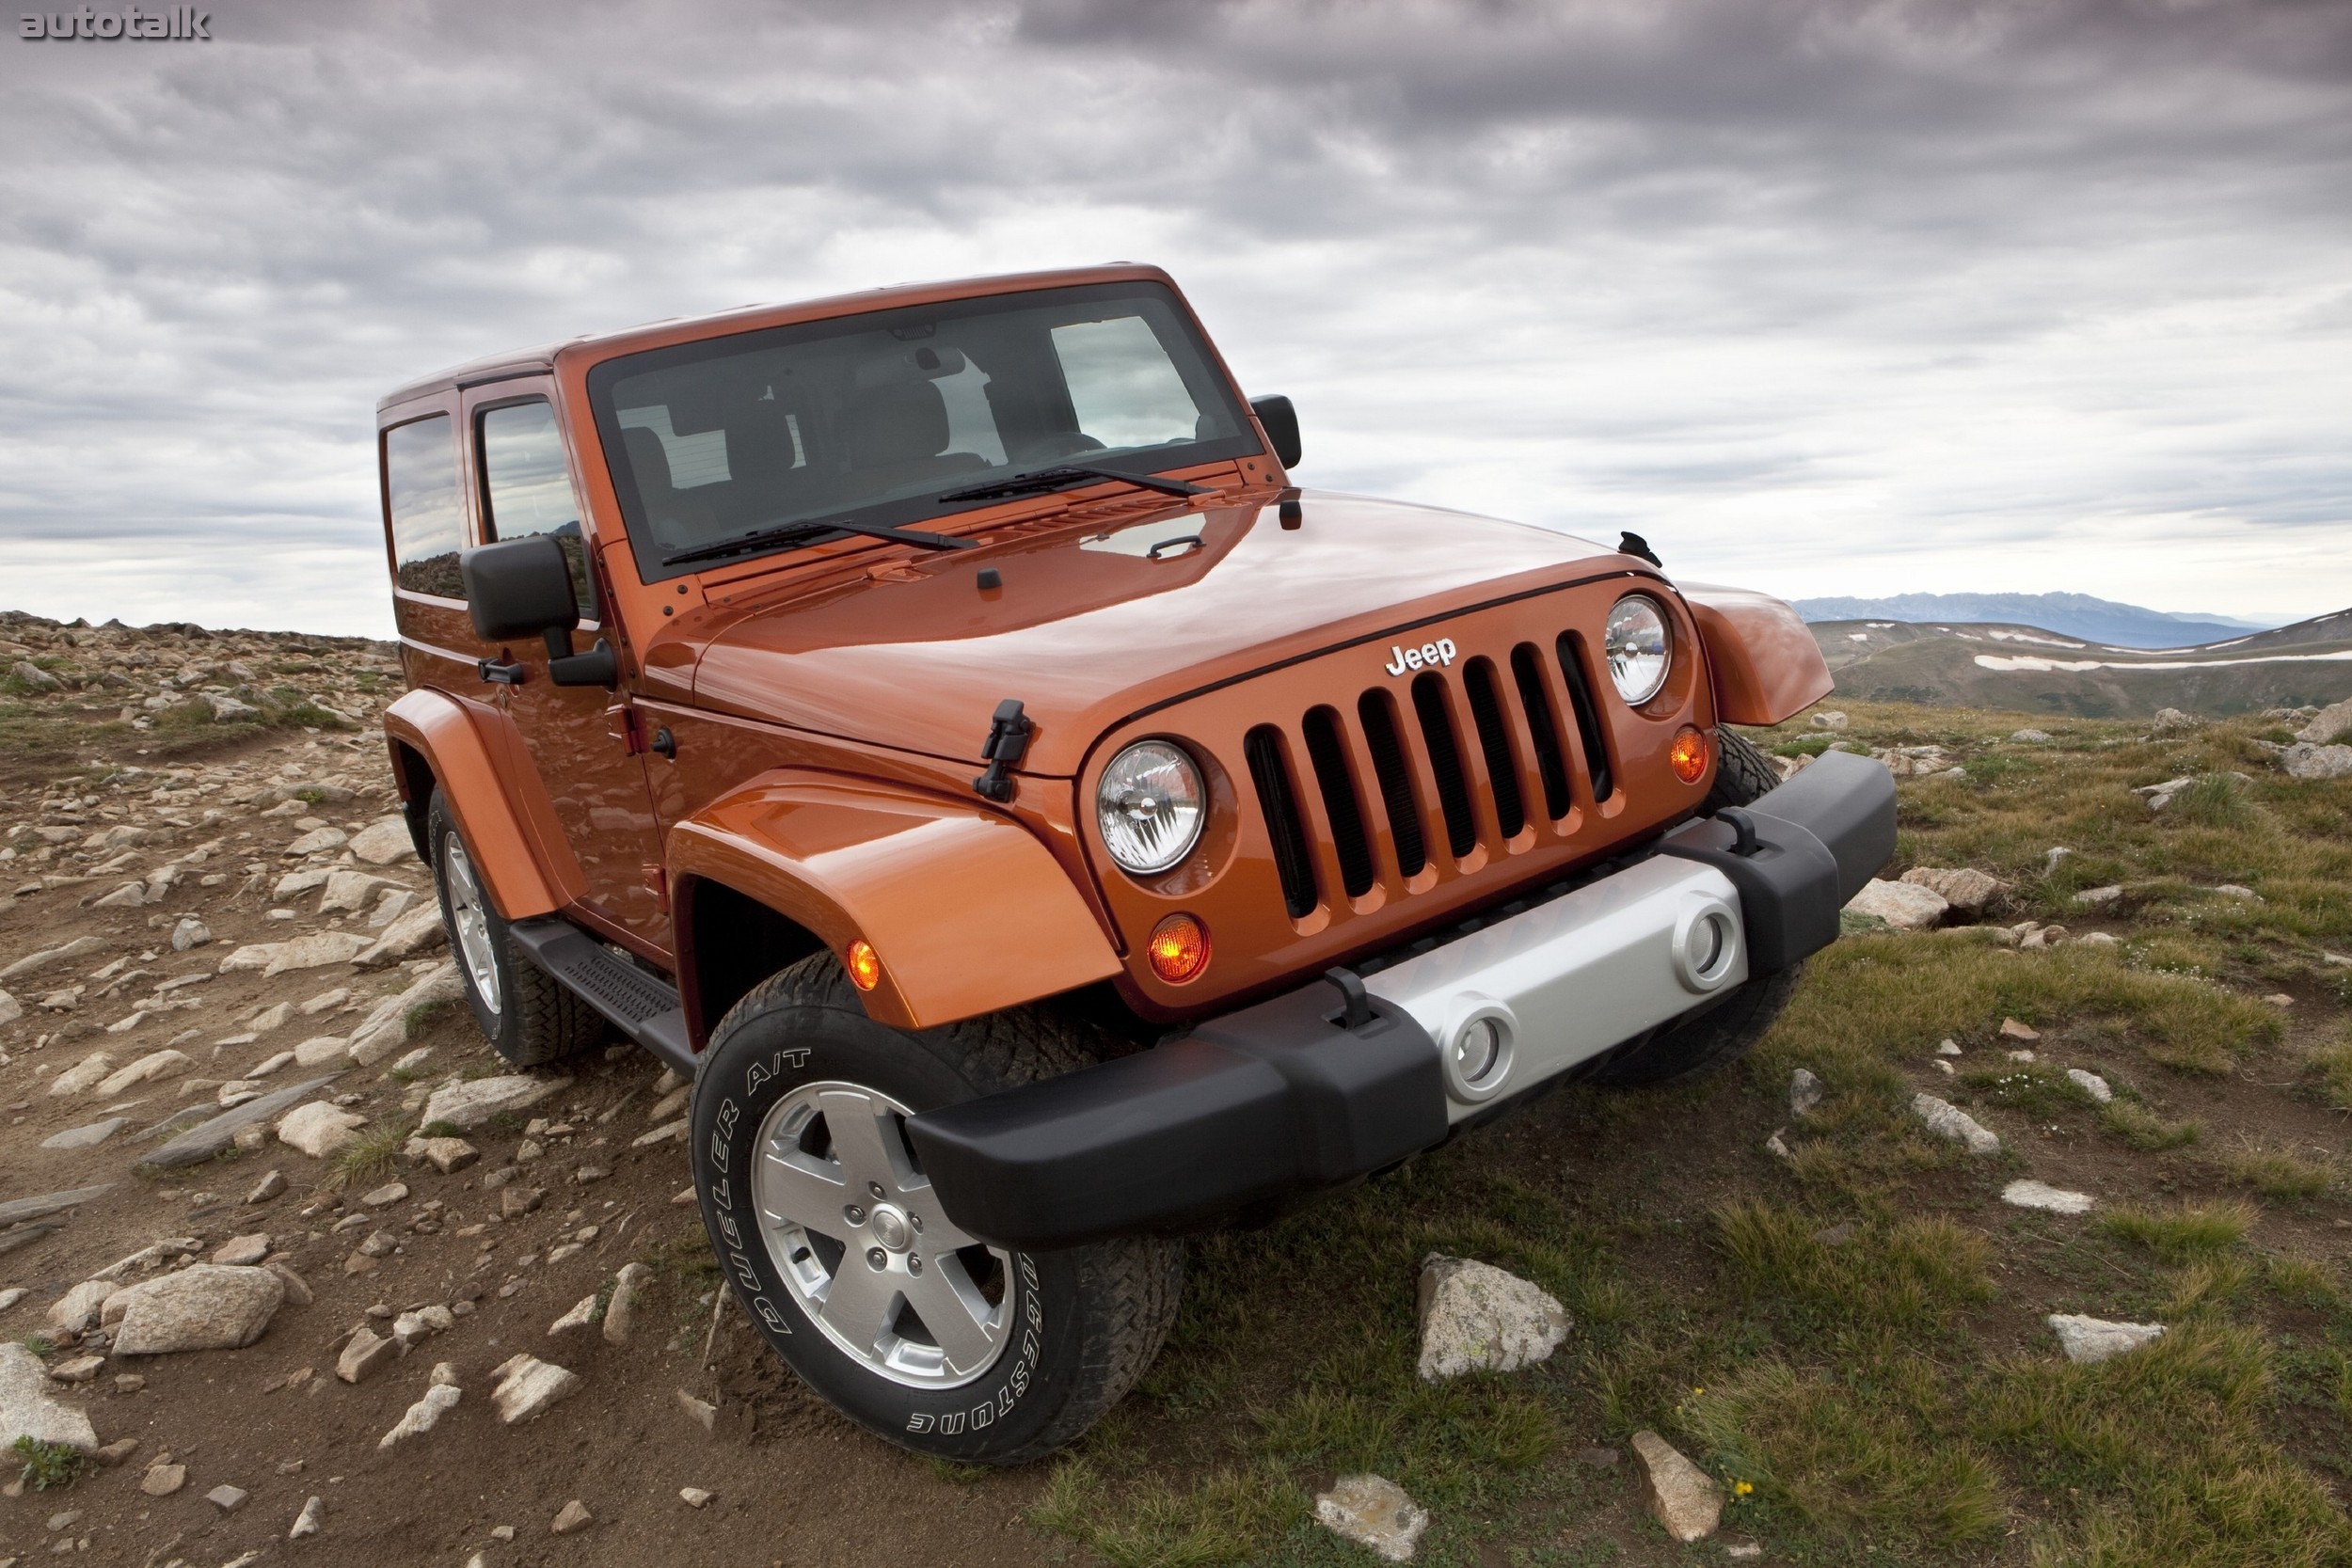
522,485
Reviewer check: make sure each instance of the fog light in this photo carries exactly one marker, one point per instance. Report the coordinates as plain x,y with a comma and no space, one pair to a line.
1475,1050
1179,948
1687,755
864,965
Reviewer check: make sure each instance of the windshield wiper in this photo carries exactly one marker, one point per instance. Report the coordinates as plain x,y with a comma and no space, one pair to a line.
1063,476
764,537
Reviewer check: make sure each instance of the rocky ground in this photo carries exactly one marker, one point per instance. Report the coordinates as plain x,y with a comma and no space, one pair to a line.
2022,1239
229,1269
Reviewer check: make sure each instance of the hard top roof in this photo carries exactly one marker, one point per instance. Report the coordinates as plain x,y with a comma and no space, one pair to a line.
742,318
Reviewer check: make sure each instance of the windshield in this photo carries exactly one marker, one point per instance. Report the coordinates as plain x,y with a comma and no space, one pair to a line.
885,417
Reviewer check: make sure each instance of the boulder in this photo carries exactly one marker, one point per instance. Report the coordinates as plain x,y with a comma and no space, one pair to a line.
154,1064
91,1070
204,1306
1682,1497
417,931
527,1385
80,948
2174,719
2089,1340
1373,1512
2304,760
466,1106
382,841
320,1129
206,1139
190,932
1475,1317
384,1029
27,1410
79,1309
1946,1120
1905,906
319,1050
1967,890
350,891
2332,722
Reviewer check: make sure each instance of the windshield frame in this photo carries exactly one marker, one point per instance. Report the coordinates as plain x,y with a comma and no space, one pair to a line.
924,508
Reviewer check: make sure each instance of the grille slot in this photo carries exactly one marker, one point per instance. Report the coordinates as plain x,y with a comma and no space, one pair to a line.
1270,771
1445,762
1494,742
1572,666
1328,752
1376,710
1527,670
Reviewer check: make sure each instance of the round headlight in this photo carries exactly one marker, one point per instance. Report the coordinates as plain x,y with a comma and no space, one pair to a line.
1639,647
1151,806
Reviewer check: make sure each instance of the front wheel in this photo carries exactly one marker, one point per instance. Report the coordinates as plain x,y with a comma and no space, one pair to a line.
836,1245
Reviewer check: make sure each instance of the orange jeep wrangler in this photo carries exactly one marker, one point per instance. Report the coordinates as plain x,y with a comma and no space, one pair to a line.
932,720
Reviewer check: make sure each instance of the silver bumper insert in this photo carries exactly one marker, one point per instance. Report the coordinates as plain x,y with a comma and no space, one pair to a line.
1529,997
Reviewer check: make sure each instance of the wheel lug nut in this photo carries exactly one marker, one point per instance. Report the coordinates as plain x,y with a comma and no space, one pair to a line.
915,1220
914,1264
854,1214
876,1188
876,1258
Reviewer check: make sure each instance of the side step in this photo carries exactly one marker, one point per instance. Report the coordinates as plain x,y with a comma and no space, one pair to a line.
638,1004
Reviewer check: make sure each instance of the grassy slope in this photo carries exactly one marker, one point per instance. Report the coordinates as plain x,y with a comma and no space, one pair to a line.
1855,1335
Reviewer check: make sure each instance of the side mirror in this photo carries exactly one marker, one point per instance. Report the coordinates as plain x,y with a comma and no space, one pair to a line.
1280,421
523,588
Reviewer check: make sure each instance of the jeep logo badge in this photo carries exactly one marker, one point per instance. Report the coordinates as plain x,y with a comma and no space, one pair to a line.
1423,658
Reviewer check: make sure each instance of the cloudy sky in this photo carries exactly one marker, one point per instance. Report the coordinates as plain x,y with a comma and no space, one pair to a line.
1823,297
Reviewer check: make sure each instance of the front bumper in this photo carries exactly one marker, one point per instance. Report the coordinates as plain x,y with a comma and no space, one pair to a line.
1251,1110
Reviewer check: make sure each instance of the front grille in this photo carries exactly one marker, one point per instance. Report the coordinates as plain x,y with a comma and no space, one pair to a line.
1467,765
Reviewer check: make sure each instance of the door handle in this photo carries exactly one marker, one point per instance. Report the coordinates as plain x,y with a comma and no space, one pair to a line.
499,671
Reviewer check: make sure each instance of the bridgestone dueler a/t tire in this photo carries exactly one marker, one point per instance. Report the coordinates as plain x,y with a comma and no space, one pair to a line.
536,1021
1724,1034
1091,1318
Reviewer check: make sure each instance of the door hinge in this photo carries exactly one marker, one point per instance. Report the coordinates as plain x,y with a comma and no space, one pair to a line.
628,731
657,878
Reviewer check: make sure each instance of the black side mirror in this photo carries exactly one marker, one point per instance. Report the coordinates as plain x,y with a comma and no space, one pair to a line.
523,588
1280,421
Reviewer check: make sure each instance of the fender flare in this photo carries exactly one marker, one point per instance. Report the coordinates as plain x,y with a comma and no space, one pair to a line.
969,913
1766,665
440,730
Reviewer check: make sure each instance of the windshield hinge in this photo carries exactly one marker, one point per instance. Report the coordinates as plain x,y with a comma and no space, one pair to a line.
1008,741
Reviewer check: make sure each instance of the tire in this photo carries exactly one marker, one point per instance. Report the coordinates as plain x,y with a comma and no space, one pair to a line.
964,1352
529,1019
1712,1040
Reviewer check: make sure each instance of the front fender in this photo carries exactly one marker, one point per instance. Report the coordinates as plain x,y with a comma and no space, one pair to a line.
438,729
968,911
1767,666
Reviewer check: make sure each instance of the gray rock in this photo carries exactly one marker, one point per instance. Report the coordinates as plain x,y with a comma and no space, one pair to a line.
2093,897
227,1499
91,1070
166,1063
204,1306
309,1521
268,1187
1682,1497
363,1355
10,1296
26,1409
80,948
243,1252
209,1138
573,1515
620,1314
2305,761
2174,719
1804,1092
2332,722
10,1008
2088,1339
2029,736
1475,1317
417,931
2038,1195
443,1154
85,1137
79,1307
1946,1120
350,891
317,842
16,1210
468,1106
2090,1083
1967,890
527,1385
1374,1511
384,1029
420,1417
190,932
382,841
320,1129
1905,906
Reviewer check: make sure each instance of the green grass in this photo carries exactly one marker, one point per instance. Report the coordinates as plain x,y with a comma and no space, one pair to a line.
49,1466
2141,1128
2181,1232
375,1153
2276,1173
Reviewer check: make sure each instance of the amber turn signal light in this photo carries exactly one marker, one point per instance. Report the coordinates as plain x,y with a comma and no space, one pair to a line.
864,965
1179,948
1687,755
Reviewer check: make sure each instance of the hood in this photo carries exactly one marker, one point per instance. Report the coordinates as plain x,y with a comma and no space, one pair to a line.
1091,627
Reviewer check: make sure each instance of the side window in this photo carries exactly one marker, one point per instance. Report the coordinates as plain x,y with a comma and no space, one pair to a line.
527,486
427,515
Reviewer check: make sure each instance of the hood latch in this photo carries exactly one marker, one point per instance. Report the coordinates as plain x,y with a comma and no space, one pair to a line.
1007,742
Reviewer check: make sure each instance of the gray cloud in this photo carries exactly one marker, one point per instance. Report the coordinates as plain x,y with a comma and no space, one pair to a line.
1827,297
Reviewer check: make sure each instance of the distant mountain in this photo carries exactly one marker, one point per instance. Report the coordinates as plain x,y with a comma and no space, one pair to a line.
2119,626
2030,669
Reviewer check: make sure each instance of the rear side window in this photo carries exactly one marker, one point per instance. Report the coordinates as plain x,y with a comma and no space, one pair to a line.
527,484
427,513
